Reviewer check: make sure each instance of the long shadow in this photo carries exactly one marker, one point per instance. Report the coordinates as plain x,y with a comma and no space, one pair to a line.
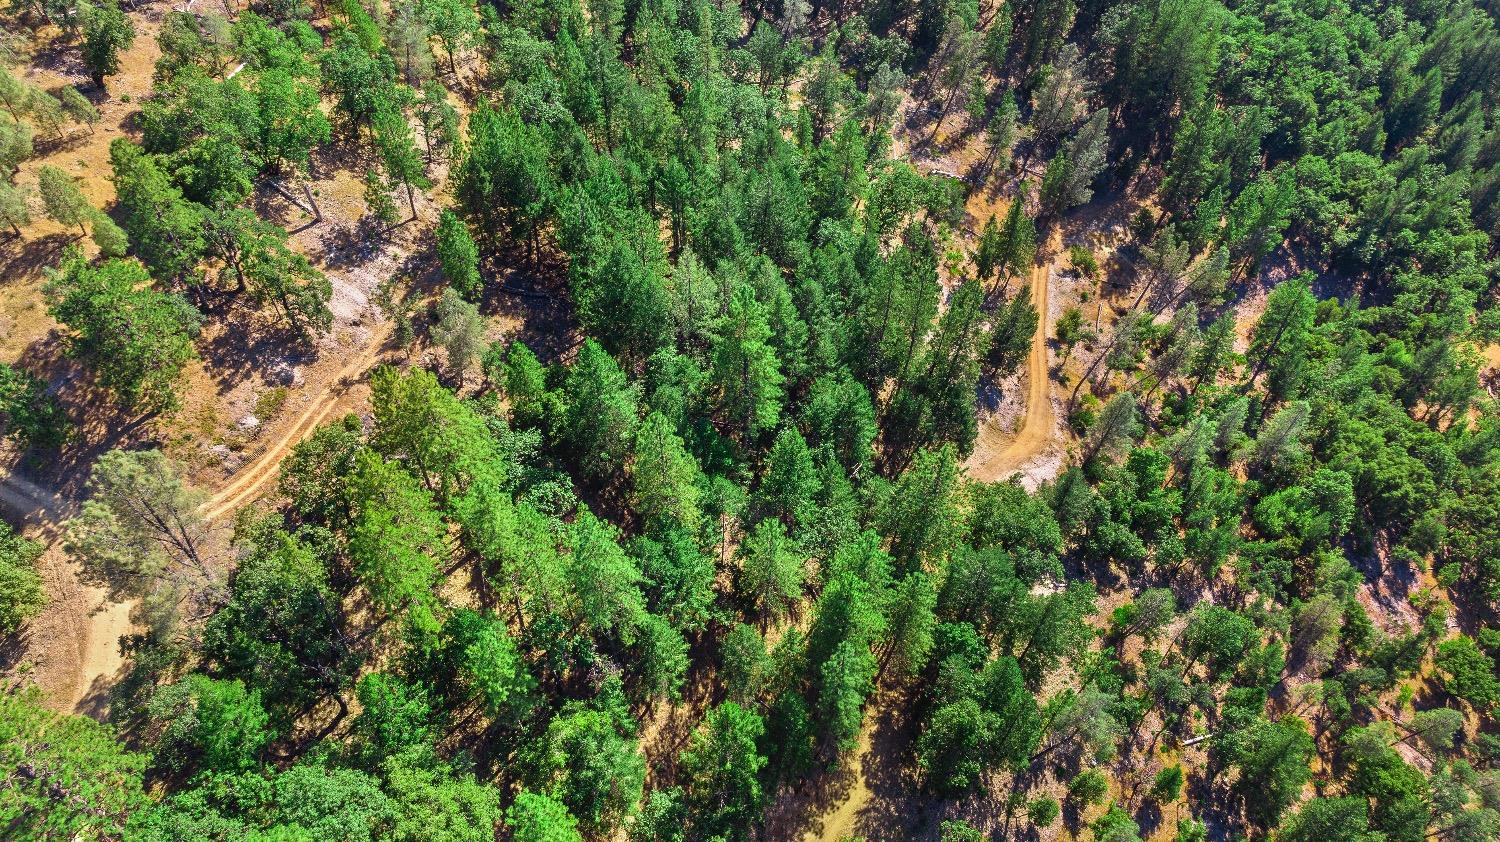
60,142
538,298
25,258
245,343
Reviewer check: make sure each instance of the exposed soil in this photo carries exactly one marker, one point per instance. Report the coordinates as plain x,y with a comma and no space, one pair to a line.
250,365
1033,451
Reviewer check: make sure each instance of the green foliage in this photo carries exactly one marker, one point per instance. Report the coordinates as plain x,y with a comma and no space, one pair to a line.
1469,673
394,716
210,725
141,535
770,401
772,570
746,373
21,593
720,771
434,804
591,765
280,629
1088,787
957,830
1220,638
31,415
665,479
166,231
136,340
106,32
996,723
1273,758
600,419
458,255
1043,812
1331,818
396,539
70,778
1167,785
256,254
460,330
490,661
61,197
537,818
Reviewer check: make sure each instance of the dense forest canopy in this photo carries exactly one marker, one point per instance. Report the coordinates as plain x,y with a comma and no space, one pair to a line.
707,560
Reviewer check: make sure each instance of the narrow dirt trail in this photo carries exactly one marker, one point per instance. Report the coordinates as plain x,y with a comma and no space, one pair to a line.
249,481
843,822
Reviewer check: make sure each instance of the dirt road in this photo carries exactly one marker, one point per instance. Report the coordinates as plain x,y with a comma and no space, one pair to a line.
247,484
995,459
843,822
77,635
76,639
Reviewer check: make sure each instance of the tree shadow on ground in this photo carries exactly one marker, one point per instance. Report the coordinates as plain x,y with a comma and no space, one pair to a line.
535,296
243,342
25,258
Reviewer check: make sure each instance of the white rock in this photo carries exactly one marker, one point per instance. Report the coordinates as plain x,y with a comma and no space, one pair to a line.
248,423
284,374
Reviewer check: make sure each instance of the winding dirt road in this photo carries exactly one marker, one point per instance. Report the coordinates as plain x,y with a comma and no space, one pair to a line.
249,482
78,635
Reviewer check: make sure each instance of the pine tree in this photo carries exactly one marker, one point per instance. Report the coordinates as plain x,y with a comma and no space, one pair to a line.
408,35
1002,132
920,515
720,770
987,257
1279,340
600,422
1117,425
1017,241
844,681
398,151
63,200
745,371
772,570
438,119
790,484
664,477
13,210
460,330
1062,95
396,540
458,255
1015,327
454,22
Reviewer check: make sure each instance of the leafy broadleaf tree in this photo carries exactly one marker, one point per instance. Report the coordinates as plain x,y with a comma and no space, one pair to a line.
107,31
136,340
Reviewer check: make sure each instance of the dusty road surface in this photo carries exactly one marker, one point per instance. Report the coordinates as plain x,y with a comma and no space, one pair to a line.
249,481
993,458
